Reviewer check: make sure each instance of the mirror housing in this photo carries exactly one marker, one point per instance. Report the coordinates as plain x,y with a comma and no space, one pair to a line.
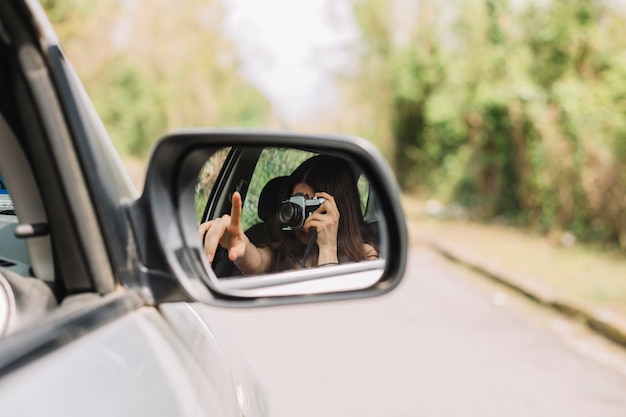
175,267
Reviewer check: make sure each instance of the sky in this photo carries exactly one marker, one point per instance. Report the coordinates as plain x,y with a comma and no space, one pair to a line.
290,48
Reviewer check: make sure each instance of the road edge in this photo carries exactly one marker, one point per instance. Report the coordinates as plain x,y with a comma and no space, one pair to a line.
605,323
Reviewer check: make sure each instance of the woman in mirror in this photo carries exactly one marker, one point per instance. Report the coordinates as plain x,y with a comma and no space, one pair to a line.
319,223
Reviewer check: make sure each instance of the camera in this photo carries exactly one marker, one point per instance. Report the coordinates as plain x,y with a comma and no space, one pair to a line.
293,212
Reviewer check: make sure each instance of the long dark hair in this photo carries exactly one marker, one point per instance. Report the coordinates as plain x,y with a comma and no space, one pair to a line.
334,176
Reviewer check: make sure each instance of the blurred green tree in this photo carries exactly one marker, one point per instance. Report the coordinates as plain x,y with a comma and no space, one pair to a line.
512,110
151,67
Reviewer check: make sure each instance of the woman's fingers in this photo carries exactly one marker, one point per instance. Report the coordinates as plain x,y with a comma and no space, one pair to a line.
236,209
329,203
203,229
322,223
214,234
225,230
325,220
237,251
328,207
327,214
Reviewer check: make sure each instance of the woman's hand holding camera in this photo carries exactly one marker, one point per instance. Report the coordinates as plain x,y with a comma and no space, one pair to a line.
326,221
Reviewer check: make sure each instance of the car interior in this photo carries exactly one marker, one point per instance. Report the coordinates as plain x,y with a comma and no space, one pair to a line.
23,297
242,171
40,262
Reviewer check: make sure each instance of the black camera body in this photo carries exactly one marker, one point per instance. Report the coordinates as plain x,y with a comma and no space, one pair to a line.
293,212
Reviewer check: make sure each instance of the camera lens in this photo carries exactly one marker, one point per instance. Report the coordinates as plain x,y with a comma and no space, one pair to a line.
289,214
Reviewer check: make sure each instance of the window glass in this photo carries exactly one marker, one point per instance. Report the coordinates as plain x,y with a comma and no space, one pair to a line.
13,252
206,180
6,204
273,162
364,192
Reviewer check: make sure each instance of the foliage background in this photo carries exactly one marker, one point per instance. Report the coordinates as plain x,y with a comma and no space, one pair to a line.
154,66
501,110
513,111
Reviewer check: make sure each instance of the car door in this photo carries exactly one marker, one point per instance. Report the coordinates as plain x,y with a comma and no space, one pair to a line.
78,335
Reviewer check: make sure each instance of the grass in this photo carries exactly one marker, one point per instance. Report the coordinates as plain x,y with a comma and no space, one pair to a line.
582,274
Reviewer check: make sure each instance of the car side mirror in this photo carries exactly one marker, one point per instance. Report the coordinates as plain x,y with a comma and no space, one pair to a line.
191,178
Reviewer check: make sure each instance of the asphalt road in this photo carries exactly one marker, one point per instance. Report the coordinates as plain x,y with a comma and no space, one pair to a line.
445,343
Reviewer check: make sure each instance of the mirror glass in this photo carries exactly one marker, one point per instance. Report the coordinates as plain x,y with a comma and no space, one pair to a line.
277,220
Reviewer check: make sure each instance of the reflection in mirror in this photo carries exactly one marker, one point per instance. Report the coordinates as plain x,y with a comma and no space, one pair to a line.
269,210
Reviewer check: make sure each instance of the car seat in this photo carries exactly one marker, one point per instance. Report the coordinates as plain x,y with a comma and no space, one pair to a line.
23,301
269,201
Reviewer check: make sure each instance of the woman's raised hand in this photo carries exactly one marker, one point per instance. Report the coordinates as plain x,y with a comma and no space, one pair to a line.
225,231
